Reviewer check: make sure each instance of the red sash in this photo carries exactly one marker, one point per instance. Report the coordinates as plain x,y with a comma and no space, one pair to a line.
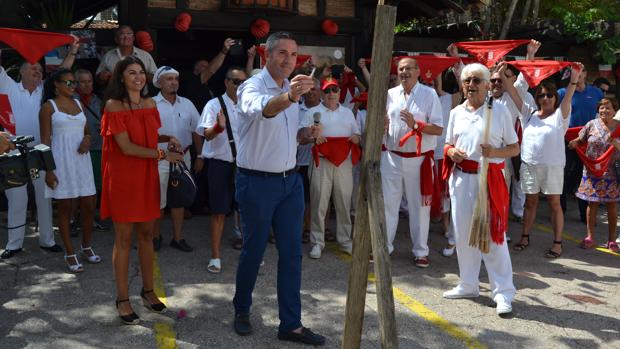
336,150
418,137
538,70
489,52
598,166
32,44
498,192
426,173
439,189
347,84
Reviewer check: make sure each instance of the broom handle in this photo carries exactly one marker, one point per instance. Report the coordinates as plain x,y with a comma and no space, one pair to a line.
486,135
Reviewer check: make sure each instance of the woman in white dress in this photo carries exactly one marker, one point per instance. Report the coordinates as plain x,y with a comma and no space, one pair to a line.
63,128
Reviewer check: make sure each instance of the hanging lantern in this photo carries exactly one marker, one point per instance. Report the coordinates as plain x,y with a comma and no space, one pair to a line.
182,22
330,27
259,28
144,40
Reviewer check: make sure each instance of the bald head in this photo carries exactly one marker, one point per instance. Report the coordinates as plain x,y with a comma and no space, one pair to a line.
408,72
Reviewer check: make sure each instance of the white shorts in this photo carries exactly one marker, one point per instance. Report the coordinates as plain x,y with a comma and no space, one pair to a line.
548,180
163,168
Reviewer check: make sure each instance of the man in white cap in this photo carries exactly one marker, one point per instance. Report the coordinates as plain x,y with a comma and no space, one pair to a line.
179,119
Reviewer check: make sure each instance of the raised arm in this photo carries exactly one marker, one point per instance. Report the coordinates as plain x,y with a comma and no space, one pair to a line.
512,91
565,106
216,62
362,64
69,59
249,65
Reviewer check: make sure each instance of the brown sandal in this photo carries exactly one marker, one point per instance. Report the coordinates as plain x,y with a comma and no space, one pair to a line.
552,254
521,246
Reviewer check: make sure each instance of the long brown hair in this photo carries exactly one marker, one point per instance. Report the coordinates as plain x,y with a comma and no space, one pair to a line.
116,88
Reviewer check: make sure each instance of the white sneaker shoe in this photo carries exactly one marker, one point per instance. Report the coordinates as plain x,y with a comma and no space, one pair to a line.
458,292
448,251
315,252
348,249
503,306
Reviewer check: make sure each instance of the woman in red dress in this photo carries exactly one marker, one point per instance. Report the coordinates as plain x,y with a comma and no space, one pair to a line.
130,190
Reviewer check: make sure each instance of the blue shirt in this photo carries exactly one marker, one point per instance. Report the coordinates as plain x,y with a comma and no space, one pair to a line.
583,104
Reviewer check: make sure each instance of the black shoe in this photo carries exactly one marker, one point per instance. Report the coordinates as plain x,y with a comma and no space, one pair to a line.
156,307
242,325
181,245
10,253
306,336
54,248
129,319
237,243
157,243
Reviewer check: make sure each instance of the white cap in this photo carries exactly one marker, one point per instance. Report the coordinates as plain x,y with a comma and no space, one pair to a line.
617,116
163,70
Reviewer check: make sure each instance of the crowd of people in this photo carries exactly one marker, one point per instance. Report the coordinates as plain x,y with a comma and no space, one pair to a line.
280,146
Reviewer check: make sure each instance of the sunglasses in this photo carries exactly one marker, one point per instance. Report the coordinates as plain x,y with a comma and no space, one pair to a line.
496,81
332,89
475,81
543,95
236,81
69,83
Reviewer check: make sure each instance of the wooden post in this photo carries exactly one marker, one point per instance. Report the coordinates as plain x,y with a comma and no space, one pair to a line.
370,208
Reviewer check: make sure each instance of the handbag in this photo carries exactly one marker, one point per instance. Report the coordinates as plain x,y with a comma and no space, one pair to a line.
181,186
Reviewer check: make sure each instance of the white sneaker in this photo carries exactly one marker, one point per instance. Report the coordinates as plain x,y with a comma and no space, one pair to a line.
448,251
315,252
503,306
618,240
458,292
348,249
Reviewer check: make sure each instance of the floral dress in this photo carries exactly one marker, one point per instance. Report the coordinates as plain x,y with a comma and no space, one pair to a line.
598,189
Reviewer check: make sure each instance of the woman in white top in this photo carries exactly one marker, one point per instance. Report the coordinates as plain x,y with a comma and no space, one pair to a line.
542,153
63,128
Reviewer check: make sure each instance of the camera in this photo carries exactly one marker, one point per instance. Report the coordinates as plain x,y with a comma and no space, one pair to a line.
337,71
237,48
23,164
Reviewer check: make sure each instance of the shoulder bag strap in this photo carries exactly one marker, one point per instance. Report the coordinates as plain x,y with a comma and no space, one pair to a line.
231,139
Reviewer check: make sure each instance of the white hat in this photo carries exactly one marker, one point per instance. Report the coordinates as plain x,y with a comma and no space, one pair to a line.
163,70
617,117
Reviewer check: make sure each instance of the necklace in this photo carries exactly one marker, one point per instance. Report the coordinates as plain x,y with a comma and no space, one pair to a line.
138,104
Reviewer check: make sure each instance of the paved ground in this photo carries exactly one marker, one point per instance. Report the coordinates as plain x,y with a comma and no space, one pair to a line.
571,302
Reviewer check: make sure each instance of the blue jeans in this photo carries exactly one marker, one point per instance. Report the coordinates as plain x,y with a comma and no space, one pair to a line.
264,203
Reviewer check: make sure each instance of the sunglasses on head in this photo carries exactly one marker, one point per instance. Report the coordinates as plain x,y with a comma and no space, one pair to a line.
69,83
236,81
474,80
543,95
332,89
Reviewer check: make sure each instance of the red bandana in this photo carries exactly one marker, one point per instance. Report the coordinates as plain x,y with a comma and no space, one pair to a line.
7,120
431,66
336,150
536,71
393,65
347,85
597,167
489,52
32,44
301,59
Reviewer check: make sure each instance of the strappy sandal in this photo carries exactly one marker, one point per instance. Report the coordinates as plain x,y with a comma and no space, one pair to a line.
551,253
156,307
521,246
129,319
74,268
90,255
586,243
214,266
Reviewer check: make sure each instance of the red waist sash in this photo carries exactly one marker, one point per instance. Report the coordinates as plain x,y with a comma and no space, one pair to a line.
426,172
336,150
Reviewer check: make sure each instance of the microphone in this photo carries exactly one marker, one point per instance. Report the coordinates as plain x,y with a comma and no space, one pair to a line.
316,117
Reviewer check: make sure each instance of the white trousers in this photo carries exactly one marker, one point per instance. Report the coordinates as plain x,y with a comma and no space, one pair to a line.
402,175
463,194
325,179
18,201
517,196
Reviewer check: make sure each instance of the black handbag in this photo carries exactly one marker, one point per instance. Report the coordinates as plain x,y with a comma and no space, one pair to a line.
181,186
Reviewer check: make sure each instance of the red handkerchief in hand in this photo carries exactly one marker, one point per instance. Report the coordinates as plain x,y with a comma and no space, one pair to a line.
489,52
32,44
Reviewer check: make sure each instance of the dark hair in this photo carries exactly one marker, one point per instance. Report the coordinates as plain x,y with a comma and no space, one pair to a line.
601,81
611,100
274,39
550,87
116,88
234,67
49,90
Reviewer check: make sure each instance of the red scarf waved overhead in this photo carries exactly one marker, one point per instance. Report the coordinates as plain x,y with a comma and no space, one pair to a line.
538,70
489,52
431,66
598,166
336,150
498,192
301,59
32,44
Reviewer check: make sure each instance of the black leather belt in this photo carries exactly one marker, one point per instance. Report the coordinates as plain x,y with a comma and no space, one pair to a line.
268,174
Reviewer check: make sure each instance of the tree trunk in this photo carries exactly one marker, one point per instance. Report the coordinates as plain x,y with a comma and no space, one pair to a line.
506,26
526,9
535,10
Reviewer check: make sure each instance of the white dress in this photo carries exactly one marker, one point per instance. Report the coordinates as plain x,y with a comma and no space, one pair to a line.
73,170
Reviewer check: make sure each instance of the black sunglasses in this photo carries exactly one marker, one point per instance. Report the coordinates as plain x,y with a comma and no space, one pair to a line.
236,81
69,83
542,95
332,89
494,81
475,81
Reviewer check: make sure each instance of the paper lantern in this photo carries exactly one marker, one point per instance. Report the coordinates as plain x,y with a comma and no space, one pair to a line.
144,40
182,22
329,27
259,28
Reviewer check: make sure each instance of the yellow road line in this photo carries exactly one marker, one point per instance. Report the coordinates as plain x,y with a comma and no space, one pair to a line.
418,308
568,237
165,335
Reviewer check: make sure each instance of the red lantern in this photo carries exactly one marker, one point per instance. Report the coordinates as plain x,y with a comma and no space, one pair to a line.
183,22
144,40
259,28
329,27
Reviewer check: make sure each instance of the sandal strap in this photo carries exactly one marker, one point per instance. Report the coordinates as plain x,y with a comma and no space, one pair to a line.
557,242
122,300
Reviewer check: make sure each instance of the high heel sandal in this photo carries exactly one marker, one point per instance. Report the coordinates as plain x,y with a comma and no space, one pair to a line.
157,307
74,268
129,319
551,253
521,246
91,256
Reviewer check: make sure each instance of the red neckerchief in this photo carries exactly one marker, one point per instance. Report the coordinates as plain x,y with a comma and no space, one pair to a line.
426,172
498,192
489,52
536,71
336,150
418,136
32,44
597,167
85,99
347,85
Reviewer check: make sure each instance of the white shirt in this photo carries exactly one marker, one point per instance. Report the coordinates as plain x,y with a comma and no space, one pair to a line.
304,151
423,103
218,147
361,122
25,106
543,139
466,129
446,107
505,99
265,144
179,119
110,58
336,123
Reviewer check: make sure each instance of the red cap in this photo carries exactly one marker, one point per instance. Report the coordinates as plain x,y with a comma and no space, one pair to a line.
328,82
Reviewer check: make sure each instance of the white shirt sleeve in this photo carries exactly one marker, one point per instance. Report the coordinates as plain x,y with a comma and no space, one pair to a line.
195,116
355,125
509,134
436,116
449,131
5,81
207,118
252,101
521,84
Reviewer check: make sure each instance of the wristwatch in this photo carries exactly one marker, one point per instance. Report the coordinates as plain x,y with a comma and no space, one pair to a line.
415,125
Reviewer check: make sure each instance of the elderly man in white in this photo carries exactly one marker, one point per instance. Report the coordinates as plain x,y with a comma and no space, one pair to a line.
411,106
179,119
464,148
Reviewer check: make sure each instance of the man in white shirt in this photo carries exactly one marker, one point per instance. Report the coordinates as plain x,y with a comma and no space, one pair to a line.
339,129
179,119
220,159
269,191
411,107
124,37
25,98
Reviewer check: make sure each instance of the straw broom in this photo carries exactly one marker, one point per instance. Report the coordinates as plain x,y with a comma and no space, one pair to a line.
480,231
